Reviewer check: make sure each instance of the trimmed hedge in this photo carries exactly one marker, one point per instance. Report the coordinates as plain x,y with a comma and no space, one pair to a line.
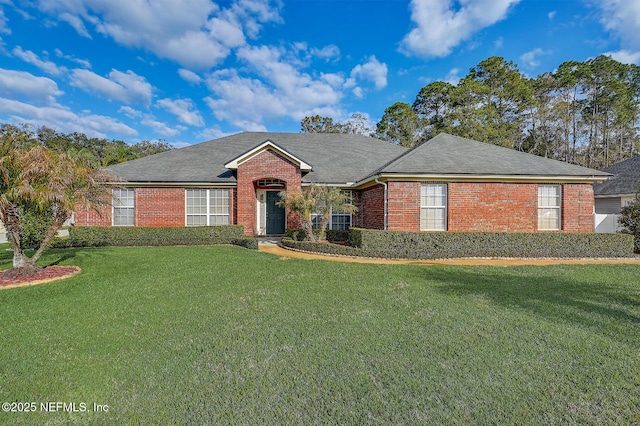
332,235
442,245
451,245
100,236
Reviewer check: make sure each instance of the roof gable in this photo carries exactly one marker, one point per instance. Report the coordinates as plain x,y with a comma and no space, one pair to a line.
267,145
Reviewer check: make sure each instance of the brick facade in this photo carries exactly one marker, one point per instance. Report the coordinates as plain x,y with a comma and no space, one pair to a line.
159,207
493,207
403,206
265,165
471,206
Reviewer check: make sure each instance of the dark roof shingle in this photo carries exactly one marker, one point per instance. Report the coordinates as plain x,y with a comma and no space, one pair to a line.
625,180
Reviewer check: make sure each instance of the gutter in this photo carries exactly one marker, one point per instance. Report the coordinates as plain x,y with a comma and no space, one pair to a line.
386,201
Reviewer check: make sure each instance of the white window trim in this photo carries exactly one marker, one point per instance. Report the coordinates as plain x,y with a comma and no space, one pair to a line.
114,208
558,208
208,214
444,207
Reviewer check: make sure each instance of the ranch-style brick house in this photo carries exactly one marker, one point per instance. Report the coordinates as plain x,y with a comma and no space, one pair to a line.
447,184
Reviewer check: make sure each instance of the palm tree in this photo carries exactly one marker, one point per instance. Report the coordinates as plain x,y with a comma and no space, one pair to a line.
304,203
41,182
332,199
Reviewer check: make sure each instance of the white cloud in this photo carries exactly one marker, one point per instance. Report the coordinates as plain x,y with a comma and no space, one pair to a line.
282,90
127,87
76,23
625,56
183,109
621,18
440,27
83,62
189,76
160,127
130,112
453,76
197,34
33,59
4,23
34,88
531,58
551,15
63,120
373,71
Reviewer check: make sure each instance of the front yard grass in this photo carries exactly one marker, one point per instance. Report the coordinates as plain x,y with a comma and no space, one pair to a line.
224,335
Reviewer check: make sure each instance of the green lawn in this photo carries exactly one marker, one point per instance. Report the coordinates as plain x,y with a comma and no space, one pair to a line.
221,335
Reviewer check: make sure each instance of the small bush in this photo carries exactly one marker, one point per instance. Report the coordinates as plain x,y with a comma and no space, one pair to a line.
99,236
321,247
332,235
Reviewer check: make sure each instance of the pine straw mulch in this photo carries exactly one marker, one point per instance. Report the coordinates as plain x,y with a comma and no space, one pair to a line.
41,276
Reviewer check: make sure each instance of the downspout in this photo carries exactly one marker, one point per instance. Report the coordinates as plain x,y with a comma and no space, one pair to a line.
386,201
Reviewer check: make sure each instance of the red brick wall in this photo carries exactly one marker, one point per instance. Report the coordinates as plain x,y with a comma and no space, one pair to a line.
493,207
403,206
89,217
483,207
370,208
152,207
266,165
159,207
577,208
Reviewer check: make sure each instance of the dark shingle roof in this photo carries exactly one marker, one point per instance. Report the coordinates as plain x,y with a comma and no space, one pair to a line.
447,154
625,180
335,158
341,158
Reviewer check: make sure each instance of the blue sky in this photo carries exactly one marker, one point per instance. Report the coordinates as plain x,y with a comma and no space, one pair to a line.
193,70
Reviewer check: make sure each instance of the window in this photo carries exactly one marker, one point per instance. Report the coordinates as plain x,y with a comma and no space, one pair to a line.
433,207
338,219
549,197
122,206
207,207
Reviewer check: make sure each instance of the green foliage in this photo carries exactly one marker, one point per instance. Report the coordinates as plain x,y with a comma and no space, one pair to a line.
220,335
630,220
442,245
98,236
399,125
34,229
332,235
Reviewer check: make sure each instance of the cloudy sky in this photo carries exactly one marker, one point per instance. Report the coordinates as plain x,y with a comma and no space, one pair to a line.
187,71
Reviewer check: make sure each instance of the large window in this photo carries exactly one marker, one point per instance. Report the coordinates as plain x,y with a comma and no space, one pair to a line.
207,207
123,206
338,219
433,207
549,197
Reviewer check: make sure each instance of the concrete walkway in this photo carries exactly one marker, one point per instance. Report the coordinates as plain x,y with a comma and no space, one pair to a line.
274,248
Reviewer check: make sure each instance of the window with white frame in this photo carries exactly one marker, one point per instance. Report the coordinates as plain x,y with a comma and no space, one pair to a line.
433,207
338,219
123,206
207,207
549,204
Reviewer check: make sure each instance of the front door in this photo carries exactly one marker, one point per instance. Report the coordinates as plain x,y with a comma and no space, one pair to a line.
275,214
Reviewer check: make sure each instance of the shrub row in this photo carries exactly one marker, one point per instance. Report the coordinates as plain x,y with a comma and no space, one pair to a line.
441,245
332,235
99,236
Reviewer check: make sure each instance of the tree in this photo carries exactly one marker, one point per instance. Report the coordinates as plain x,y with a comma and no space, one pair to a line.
319,200
399,125
304,203
332,199
630,220
37,182
318,124
434,105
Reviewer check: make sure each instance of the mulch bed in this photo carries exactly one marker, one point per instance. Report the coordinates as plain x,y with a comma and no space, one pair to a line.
44,275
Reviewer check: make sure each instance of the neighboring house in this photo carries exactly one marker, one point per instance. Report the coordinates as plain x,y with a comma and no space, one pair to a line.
449,183
615,193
